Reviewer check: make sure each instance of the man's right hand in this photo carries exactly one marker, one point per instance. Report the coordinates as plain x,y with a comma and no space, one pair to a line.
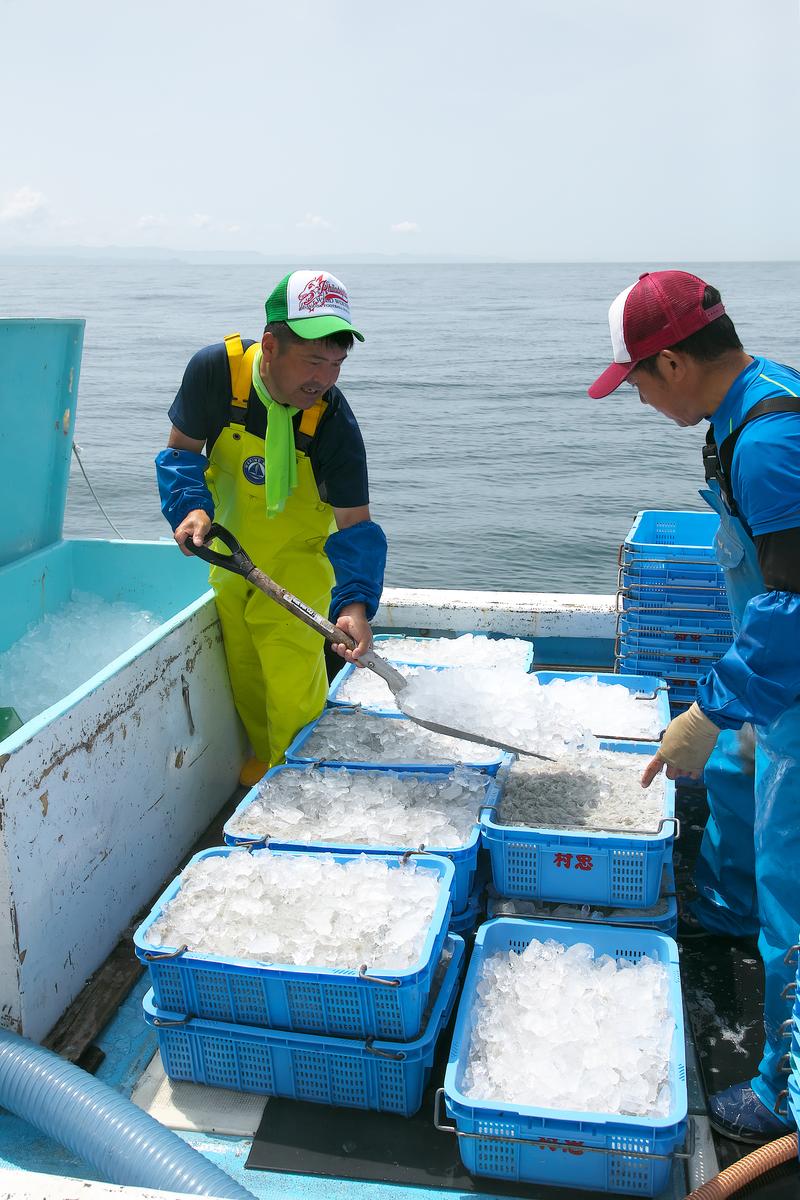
195,526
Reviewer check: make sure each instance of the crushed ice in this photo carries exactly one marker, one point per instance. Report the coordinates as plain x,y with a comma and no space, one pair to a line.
301,910
499,703
555,1027
469,650
367,688
334,806
346,735
61,651
596,789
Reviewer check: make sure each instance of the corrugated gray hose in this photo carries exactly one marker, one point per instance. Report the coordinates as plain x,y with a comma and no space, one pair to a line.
121,1142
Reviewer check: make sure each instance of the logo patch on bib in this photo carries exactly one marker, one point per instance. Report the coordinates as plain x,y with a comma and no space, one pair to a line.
253,469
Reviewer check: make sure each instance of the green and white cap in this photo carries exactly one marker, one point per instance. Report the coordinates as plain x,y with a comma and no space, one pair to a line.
313,304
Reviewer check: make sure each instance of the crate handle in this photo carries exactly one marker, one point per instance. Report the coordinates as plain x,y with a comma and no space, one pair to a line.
790,991
650,695
790,956
546,1143
150,957
362,974
618,737
786,1028
164,1022
675,821
395,1056
664,608
407,854
678,562
777,1108
573,920
785,1065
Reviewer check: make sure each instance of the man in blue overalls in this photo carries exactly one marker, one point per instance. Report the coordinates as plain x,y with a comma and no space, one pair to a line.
675,345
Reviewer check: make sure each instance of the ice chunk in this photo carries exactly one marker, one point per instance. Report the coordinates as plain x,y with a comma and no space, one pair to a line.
469,650
504,704
557,1027
301,909
334,806
65,648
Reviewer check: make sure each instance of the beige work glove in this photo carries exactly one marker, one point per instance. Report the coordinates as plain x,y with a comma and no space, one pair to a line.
685,747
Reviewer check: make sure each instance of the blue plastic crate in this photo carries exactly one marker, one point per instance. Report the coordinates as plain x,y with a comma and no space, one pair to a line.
466,922
614,870
384,1076
343,1002
678,636
296,754
664,611
594,1151
676,573
661,917
380,710
683,596
464,858
670,666
383,644
651,687
688,534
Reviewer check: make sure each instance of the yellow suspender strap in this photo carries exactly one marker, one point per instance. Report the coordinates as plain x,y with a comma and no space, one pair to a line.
240,362
311,418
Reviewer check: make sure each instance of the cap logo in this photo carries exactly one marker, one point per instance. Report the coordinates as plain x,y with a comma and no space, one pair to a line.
322,291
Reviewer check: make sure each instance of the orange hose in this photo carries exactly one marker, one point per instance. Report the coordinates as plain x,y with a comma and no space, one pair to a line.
733,1178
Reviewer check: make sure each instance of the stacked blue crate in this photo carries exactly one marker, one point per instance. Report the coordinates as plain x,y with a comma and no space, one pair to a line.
672,607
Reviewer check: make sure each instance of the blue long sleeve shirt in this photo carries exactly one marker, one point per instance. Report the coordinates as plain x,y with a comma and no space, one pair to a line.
759,677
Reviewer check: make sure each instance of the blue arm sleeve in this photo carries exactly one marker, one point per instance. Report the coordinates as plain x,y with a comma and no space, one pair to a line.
759,677
182,484
358,557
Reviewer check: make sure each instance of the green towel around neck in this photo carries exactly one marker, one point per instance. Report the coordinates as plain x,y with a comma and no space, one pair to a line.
280,463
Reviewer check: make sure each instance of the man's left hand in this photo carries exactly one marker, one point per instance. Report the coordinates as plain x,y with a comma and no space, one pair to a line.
685,747
353,620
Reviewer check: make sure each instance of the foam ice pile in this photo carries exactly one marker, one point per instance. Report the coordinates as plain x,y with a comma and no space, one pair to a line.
367,688
64,649
609,709
468,650
555,1027
347,736
301,910
498,703
597,789
364,808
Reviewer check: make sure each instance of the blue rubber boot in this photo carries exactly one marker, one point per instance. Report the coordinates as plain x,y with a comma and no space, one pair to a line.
737,1113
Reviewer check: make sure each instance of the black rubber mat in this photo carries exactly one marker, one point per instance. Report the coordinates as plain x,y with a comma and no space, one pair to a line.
308,1139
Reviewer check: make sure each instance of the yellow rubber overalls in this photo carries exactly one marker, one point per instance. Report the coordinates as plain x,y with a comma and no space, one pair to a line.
275,662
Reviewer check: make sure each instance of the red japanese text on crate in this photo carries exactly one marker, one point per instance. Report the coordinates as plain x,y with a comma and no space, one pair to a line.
577,862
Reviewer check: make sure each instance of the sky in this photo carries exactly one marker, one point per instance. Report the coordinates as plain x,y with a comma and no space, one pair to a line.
532,130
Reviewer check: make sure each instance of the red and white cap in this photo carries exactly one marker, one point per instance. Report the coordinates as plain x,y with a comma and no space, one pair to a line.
659,310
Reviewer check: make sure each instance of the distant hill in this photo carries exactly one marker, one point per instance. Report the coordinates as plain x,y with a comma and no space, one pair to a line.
122,254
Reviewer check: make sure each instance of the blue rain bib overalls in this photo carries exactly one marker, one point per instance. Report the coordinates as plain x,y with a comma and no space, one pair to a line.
275,662
748,871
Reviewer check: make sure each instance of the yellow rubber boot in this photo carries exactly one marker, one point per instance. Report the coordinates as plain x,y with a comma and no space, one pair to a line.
253,770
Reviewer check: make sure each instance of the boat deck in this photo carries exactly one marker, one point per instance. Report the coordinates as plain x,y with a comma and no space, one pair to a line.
104,1031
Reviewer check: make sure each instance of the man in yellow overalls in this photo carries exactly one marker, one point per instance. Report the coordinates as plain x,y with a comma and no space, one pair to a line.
286,472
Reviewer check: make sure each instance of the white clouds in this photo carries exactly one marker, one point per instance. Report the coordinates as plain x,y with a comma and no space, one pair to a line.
405,227
200,220
152,221
313,222
23,207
